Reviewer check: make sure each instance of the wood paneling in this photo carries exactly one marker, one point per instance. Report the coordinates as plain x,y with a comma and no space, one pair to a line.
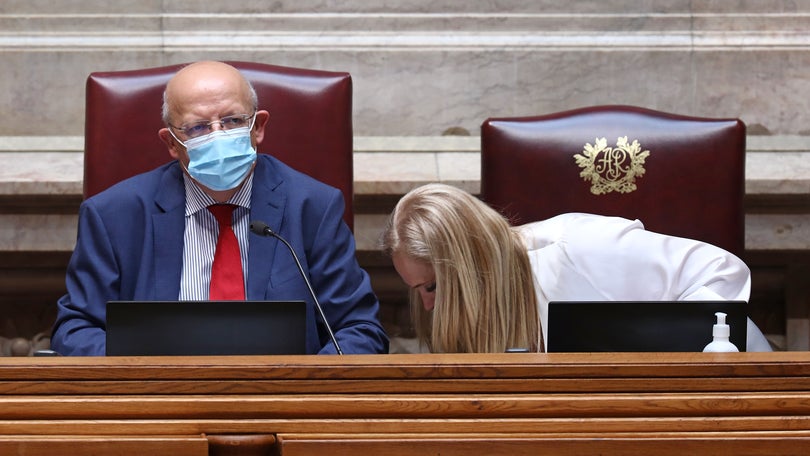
617,403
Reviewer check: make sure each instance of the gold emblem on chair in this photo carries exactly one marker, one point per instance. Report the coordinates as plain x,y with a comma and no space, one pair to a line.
612,169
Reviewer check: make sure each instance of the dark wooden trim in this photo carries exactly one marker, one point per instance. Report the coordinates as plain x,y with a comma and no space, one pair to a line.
40,204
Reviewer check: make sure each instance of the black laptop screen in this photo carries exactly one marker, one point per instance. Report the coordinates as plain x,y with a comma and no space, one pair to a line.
143,328
641,326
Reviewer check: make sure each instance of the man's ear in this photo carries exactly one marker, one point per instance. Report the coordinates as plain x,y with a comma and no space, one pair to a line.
172,144
262,117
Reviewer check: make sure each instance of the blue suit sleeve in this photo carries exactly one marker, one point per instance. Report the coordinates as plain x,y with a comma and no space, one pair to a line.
91,279
343,287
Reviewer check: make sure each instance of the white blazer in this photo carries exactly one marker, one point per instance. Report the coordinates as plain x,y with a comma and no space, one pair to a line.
590,257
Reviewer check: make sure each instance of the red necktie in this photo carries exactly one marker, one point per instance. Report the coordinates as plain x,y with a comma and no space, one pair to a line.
227,281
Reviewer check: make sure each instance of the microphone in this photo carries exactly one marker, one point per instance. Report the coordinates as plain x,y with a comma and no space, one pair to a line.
262,229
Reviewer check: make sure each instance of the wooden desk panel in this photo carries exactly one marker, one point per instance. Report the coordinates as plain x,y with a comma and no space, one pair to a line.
449,404
88,445
537,444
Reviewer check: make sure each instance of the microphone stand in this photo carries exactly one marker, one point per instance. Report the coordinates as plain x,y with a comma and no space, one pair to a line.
261,228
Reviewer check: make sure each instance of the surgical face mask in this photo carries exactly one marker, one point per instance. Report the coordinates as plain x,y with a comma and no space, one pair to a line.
221,159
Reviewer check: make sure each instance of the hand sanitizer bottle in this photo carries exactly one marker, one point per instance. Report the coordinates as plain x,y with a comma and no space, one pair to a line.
720,333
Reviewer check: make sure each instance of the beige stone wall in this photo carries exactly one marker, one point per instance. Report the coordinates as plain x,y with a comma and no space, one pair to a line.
423,67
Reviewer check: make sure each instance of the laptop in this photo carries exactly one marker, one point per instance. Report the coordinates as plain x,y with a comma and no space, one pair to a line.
641,326
179,328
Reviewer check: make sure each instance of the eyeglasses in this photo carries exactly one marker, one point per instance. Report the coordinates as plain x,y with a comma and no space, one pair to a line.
196,129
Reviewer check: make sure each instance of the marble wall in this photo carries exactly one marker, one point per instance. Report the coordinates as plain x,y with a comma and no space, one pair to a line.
424,68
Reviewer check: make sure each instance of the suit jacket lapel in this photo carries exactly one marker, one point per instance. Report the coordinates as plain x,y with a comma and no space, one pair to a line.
169,226
267,203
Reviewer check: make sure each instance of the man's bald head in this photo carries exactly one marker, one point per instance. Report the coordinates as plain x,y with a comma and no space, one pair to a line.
206,82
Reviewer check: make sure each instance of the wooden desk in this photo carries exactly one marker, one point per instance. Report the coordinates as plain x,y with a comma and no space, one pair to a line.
657,403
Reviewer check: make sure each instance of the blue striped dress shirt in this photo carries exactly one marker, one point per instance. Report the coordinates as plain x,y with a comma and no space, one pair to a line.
200,237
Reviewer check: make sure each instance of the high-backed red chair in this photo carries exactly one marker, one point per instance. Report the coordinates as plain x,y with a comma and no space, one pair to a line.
310,126
679,175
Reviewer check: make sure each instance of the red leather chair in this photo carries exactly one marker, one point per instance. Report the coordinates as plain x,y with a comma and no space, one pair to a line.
310,125
685,176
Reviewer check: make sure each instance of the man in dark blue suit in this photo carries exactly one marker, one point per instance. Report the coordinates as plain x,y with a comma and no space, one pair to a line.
150,238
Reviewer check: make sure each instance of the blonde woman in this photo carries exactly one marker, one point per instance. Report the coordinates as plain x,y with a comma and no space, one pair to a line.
479,285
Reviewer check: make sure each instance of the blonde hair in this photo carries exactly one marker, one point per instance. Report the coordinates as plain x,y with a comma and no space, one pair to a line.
485,300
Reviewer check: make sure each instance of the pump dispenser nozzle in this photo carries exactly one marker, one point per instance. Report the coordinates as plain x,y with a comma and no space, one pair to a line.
720,335
721,329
